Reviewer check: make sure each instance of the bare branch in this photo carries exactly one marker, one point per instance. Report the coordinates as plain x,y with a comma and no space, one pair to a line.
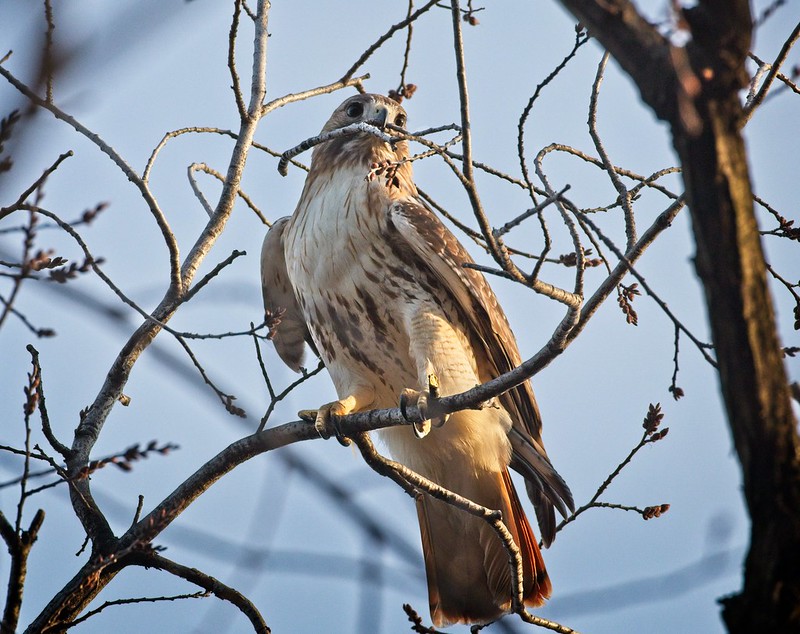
385,37
314,92
758,99
530,212
42,405
130,173
5,211
702,347
19,545
349,130
651,435
208,583
237,90
624,194
581,37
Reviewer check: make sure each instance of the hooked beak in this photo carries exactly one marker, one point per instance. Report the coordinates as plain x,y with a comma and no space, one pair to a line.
380,118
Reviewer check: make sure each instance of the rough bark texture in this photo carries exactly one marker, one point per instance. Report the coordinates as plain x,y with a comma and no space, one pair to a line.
699,99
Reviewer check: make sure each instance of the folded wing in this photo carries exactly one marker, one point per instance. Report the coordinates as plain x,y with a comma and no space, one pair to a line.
291,333
434,246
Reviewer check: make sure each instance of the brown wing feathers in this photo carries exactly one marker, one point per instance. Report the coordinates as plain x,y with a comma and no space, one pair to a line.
415,222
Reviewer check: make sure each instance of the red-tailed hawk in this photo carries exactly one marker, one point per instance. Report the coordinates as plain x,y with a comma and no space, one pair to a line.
366,273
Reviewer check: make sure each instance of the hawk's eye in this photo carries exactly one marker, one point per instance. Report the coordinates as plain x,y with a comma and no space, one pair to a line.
355,109
400,120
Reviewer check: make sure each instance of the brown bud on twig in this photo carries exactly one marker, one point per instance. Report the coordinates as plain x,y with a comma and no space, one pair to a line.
31,392
659,435
571,259
124,460
42,260
70,272
470,19
90,214
626,295
416,621
233,409
653,418
677,392
405,91
649,512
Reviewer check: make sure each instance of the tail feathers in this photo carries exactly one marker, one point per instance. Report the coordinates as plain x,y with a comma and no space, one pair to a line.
536,582
546,488
469,577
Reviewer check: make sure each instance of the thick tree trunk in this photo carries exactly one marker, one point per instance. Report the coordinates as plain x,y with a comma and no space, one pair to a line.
730,263
700,101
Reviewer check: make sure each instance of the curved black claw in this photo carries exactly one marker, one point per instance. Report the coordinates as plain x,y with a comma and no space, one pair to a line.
420,399
406,396
344,441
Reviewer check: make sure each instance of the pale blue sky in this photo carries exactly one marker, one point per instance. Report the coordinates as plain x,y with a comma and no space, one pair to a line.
138,69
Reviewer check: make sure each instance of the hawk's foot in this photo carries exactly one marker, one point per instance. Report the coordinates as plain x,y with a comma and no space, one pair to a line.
323,420
422,400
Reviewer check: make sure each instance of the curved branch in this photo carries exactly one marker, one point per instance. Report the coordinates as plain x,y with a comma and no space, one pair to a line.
385,37
207,582
130,173
758,99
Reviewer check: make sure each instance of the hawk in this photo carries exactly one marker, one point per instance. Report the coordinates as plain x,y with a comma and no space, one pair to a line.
370,278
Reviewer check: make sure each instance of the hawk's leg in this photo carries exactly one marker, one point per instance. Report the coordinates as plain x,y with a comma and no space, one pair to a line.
325,417
422,400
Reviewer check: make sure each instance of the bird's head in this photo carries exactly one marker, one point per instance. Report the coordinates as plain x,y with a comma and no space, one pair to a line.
362,148
375,110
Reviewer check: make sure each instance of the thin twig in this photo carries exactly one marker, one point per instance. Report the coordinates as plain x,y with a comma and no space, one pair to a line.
236,85
141,185
581,37
649,436
46,429
401,89
530,212
4,211
648,181
702,347
495,245
196,188
212,274
273,396
384,38
208,583
788,83
765,86
202,167
225,398
349,130
132,601
48,61
314,92
624,194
